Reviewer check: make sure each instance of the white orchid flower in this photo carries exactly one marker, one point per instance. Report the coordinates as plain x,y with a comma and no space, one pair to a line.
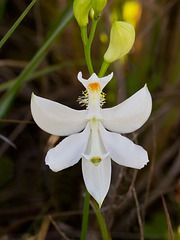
94,133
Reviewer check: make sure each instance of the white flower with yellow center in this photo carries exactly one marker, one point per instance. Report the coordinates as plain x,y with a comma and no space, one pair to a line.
87,135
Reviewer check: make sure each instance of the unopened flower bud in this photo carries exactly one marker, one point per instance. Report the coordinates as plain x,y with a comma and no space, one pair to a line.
98,6
121,40
81,10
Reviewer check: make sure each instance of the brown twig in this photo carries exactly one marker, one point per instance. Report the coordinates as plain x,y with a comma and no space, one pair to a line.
133,180
165,186
6,140
13,63
150,173
19,128
57,228
43,229
138,213
167,218
113,198
16,121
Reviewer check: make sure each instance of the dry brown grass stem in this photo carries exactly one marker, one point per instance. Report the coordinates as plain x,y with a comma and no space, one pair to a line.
138,214
13,63
58,229
16,121
118,182
167,181
150,177
20,127
6,140
113,198
44,229
167,218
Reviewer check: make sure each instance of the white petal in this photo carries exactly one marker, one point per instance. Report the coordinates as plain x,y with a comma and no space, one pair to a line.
69,151
56,118
94,78
95,151
97,178
129,115
122,150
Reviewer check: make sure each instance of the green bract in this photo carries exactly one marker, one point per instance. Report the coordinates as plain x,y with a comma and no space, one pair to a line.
81,10
121,40
98,6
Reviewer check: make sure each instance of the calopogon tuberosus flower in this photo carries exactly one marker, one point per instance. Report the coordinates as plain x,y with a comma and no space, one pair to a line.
94,134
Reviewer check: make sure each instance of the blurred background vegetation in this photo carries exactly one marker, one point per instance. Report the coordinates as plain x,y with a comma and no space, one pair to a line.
44,55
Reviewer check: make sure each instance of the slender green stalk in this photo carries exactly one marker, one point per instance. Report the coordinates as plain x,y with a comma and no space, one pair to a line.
93,29
16,24
87,44
102,224
103,69
87,50
85,216
9,97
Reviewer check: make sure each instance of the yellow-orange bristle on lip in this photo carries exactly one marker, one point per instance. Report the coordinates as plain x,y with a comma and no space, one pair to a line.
94,87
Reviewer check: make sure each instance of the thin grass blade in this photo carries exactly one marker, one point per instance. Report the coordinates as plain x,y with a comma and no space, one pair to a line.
10,95
16,24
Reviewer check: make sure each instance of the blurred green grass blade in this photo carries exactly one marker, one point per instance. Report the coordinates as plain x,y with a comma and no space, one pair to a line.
2,8
16,24
10,95
81,62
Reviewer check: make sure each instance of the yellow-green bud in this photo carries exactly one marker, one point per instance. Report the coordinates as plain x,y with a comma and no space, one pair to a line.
121,40
81,10
98,6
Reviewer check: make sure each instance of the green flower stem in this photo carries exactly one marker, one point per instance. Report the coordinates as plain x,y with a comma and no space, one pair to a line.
93,29
87,51
85,216
87,44
102,224
16,24
103,69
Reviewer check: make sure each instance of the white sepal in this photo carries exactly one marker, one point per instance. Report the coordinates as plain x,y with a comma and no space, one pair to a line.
94,78
129,115
97,178
55,118
122,150
69,151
